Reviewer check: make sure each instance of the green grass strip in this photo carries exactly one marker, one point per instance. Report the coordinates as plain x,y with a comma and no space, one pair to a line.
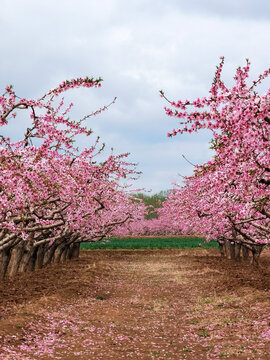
150,243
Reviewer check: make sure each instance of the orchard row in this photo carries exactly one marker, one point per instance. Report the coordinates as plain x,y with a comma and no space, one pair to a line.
227,198
54,195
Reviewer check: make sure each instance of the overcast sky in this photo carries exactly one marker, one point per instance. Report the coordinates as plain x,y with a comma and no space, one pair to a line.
138,47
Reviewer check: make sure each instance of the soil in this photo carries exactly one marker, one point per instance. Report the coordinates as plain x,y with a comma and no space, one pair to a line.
138,304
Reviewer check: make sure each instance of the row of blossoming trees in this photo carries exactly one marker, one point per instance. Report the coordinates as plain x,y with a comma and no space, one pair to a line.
227,198
53,195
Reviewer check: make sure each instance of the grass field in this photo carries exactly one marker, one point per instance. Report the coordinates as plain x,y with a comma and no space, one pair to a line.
150,243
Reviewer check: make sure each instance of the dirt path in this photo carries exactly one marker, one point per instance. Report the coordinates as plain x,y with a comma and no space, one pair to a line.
154,304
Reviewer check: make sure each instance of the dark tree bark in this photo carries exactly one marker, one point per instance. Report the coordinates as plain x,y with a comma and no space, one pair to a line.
49,252
74,251
245,253
58,253
229,249
237,251
221,249
39,260
16,257
27,257
256,252
5,256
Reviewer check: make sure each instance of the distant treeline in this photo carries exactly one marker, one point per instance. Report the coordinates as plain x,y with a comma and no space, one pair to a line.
153,202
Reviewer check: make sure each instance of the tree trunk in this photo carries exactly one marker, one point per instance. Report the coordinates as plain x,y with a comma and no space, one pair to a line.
64,254
245,253
49,254
16,257
229,249
232,250
237,251
4,261
27,257
74,251
33,260
221,249
39,260
58,253
256,252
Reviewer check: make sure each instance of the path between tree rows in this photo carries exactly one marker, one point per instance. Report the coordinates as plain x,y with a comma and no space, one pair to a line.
145,304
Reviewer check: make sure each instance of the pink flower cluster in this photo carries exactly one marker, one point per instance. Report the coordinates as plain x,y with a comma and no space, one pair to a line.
227,198
52,193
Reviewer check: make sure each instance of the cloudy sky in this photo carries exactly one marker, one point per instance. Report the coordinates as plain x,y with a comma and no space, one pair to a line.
138,47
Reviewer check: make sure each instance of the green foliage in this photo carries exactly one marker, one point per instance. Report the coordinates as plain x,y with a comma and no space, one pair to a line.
153,202
150,243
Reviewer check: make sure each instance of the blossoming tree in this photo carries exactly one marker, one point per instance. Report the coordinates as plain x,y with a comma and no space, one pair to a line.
227,198
53,195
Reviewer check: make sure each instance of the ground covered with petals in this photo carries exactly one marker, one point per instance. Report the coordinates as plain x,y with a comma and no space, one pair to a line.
138,304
